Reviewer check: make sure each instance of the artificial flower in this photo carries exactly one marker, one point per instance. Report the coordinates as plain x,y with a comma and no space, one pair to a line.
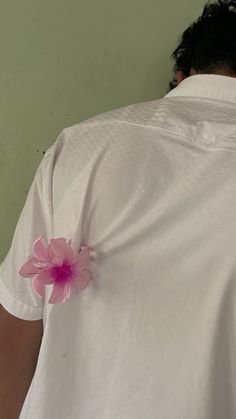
57,265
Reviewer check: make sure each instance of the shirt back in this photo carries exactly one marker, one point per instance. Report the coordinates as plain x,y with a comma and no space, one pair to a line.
151,189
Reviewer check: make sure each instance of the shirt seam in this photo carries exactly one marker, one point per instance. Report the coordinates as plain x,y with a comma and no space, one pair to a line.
189,139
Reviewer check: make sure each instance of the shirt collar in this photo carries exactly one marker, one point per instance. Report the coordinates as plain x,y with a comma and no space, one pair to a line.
212,86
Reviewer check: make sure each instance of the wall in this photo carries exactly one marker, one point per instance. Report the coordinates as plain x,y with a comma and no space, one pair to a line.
64,61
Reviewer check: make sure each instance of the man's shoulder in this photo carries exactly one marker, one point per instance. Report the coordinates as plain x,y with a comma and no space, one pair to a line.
102,127
138,113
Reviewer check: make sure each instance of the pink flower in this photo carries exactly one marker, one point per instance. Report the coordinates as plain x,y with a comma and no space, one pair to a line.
58,265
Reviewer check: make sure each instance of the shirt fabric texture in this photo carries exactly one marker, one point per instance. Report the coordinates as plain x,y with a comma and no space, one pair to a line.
151,187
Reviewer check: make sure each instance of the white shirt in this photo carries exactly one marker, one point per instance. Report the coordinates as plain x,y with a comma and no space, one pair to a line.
152,188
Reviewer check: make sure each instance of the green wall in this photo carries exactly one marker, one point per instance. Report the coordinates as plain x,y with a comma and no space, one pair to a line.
64,61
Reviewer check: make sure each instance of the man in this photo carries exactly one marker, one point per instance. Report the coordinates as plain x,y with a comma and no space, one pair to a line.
150,188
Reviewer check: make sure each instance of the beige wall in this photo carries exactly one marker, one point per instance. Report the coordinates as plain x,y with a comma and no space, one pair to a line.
64,61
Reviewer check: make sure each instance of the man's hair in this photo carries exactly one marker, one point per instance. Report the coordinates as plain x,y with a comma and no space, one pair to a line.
209,43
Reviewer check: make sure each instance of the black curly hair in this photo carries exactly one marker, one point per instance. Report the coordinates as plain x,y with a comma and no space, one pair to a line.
209,43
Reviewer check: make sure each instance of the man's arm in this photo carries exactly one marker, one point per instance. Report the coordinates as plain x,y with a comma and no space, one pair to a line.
20,342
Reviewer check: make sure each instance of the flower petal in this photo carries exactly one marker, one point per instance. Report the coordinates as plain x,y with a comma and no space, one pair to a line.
45,275
51,253
82,280
40,250
38,287
60,294
83,257
29,269
60,247
54,256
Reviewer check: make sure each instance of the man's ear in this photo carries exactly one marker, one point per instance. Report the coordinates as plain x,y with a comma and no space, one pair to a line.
180,76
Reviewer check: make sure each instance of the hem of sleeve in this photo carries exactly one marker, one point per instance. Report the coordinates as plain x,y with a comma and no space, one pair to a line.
16,307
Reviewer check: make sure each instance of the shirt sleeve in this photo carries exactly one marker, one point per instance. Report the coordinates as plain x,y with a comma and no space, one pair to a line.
16,293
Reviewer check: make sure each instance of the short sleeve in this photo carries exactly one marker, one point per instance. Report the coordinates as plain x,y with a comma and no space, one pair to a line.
16,293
